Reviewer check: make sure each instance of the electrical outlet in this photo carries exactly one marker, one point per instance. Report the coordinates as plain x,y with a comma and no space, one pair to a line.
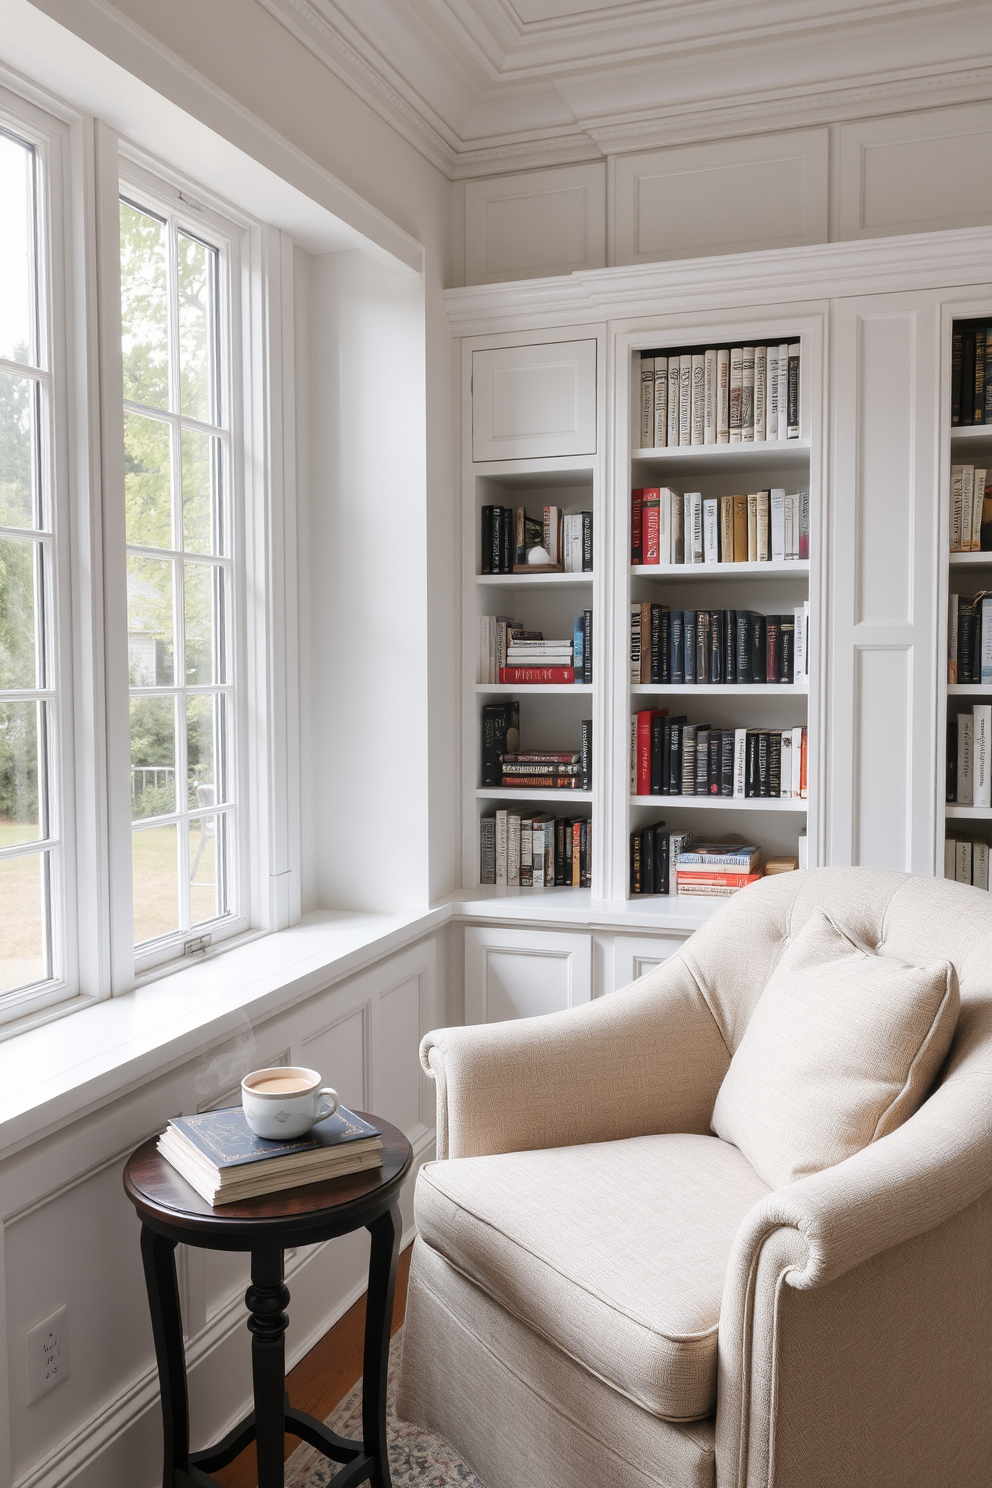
46,1354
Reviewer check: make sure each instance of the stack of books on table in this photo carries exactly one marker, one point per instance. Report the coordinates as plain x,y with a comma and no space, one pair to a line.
715,870
219,1155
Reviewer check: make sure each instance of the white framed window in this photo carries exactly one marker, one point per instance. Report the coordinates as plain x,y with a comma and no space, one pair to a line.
184,536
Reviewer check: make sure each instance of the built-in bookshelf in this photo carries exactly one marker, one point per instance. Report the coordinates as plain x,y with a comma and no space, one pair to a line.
967,544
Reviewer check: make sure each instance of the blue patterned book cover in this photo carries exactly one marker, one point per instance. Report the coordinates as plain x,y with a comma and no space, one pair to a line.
226,1139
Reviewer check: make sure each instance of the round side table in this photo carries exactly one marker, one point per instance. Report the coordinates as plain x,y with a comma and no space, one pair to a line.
171,1211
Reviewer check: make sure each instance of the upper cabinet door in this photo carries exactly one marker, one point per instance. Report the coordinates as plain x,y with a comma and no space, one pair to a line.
534,401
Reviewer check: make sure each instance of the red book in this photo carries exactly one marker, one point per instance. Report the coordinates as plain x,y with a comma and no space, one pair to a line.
650,520
643,747
636,543
520,675
576,855
724,880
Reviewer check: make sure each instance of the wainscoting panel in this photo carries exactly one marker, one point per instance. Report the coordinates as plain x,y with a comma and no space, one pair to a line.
916,172
635,955
730,196
535,223
519,973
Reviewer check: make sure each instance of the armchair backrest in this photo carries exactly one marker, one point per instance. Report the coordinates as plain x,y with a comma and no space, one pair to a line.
920,919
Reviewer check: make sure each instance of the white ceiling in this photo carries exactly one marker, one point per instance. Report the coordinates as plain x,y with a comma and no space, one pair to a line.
481,86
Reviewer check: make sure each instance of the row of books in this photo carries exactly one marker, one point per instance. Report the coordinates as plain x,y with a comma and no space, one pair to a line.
731,647
762,527
967,860
969,756
969,638
673,757
511,654
505,764
971,373
665,862
971,509
535,851
560,540
720,395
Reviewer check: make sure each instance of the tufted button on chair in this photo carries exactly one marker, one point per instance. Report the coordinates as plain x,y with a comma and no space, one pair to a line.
605,1294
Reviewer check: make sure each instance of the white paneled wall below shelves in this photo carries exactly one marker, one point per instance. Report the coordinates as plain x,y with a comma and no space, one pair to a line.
925,170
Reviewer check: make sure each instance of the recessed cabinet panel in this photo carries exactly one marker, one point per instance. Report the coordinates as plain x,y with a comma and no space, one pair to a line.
534,401
521,973
635,955
535,223
402,1015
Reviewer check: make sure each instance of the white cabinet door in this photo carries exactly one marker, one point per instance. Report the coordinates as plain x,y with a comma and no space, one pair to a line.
534,401
634,955
518,973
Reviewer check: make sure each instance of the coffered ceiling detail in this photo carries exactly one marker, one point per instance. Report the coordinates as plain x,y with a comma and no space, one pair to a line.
482,86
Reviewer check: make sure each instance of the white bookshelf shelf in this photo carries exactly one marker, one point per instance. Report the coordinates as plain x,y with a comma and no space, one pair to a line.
969,689
724,803
507,793
534,581
776,454
720,689
969,434
793,569
511,689
971,560
969,813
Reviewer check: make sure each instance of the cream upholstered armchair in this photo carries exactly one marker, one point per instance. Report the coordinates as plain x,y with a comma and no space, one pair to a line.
604,1294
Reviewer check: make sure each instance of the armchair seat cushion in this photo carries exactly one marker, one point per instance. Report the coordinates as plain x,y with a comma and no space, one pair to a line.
615,1252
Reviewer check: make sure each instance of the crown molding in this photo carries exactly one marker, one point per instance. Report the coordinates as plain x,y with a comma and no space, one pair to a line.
771,276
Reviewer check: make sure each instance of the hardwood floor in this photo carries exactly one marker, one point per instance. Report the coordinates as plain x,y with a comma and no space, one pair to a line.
324,1376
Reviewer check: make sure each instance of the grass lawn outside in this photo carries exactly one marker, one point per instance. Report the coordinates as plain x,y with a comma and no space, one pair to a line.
22,958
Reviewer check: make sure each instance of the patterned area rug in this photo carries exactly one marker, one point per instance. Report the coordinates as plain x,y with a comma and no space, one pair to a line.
417,1458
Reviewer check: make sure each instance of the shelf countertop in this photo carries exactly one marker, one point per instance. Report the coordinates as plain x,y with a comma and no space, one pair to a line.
775,454
792,568
723,689
656,912
725,803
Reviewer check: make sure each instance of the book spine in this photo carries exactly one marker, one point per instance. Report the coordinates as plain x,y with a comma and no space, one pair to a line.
962,862
740,762
660,402
689,645
636,873
650,520
678,528
636,527
736,393
694,528
723,396
576,854
727,762
506,540
487,850
501,835
978,504
760,392
985,652
486,515
585,755
956,378
514,769
698,413
793,410
777,519
688,781
980,865
647,402
532,675
740,529
763,520
967,505
578,640
953,614
783,390
513,848
676,669
685,398
726,880
978,382
710,397
587,542
752,527
526,853
804,522
771,411
674,398
967,375
664,525
711,530
726,529
747,395
785,763
988,375
982,753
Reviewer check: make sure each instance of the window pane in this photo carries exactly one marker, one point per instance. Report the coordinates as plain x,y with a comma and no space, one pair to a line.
24,957
207,895
144,308
204,745
153,756
21,818
18,470
202,511
150,632
204,585
147,482
197,382
18,655
17,307
155,879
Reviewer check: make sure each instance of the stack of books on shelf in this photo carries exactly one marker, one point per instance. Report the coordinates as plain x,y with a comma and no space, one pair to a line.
669,527
526,658
664,862
559,540
971,373
969,638
672,757
505,764
971,509
967,861
732,647
969,757
720,395
219,1155
535,852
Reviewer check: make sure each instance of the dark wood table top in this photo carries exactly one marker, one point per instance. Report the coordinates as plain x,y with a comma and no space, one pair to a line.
169,1204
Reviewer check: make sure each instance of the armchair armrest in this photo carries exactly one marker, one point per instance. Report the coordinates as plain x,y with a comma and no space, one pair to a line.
648,1059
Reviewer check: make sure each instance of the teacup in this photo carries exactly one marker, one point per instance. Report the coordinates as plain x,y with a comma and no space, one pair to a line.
285,1101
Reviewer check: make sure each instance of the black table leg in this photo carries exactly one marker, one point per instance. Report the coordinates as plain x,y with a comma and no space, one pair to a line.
385,1232
159,1258
267,1299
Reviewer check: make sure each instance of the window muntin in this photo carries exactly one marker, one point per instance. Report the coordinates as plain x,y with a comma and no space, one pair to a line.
177,442
31,844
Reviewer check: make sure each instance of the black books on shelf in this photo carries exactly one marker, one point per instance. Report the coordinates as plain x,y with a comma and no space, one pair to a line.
510,535
541,769
672,757
969,638
500,735
220,1156
719,394
539,851
731,647
971,373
